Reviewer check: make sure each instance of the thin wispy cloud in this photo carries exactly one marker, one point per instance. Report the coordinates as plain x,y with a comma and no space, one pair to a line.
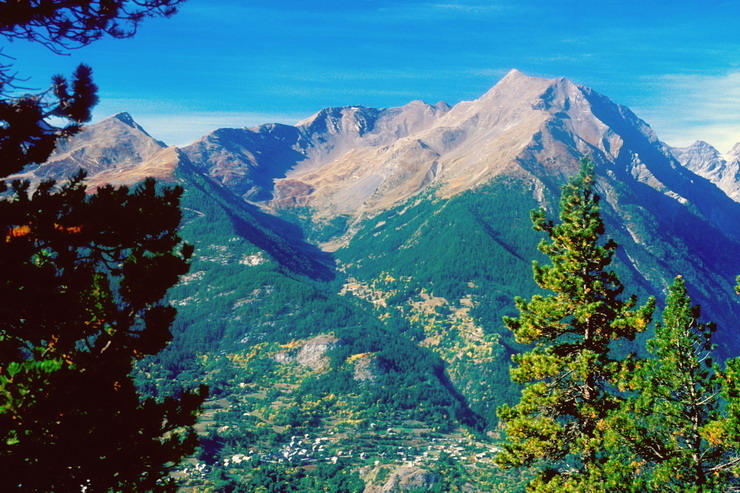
471,8
434,11
696,107
182,128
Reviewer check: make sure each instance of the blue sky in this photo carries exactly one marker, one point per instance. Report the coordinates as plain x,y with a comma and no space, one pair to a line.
234,63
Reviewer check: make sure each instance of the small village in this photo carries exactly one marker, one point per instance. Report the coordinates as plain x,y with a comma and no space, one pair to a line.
391,446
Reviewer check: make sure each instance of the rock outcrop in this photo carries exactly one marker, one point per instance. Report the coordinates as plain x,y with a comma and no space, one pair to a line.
708,162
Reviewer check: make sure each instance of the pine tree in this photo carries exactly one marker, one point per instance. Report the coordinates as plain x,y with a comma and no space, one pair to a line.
682,423
82,279
81,283
562,420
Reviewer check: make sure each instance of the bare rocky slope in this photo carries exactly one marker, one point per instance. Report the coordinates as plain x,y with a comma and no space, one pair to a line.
116,151
357,161
707,162
333,171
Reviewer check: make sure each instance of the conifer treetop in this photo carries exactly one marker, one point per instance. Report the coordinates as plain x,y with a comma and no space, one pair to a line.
569,374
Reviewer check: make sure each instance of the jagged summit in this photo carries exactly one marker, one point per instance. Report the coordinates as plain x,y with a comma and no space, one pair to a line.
354,122
514,75
442,106
734,153
356,161
116,150
332,119
126,118
707,162
345,165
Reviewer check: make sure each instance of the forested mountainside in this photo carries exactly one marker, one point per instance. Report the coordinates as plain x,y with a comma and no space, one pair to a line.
344,302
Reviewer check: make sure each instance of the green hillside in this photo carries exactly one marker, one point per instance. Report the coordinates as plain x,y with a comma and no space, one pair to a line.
285,354
384,361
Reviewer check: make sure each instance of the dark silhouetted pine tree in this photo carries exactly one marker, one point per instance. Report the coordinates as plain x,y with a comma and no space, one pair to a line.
82,277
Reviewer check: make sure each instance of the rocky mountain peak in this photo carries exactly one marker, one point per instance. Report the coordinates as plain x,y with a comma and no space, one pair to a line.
515,87
519,100
355,161
543,93
339,120
515,76
701,144
700,157
442,106
706,161
116,150
734,153
125,118
351,123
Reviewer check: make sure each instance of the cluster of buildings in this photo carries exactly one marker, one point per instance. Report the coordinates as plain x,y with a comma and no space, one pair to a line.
303,450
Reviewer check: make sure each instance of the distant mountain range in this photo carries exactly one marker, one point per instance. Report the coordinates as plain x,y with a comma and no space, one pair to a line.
709,163
348,164
416,219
